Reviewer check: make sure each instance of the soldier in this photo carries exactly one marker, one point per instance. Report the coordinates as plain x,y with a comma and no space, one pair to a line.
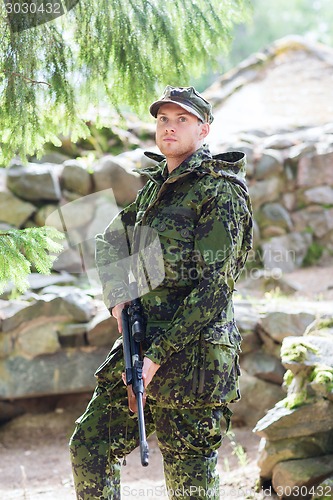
199,207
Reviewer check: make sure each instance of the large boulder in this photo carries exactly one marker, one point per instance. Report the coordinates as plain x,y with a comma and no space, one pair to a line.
286,252
264,366
64,372
274,452
286,320
300,478
15,211
118,174
76,177
282,422
257,397
35,181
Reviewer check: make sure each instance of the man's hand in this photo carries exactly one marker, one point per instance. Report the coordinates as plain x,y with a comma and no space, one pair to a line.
149,370
116,313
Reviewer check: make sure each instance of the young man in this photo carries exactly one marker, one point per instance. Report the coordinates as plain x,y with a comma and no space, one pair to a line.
199,208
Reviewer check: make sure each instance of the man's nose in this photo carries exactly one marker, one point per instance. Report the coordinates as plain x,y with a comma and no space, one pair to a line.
170,127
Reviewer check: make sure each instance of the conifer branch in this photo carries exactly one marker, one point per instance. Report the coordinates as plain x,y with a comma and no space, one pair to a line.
23,249
34,82
102,52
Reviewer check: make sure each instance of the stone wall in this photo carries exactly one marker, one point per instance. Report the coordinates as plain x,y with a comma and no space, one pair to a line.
291,184
290,178
296,451
53,338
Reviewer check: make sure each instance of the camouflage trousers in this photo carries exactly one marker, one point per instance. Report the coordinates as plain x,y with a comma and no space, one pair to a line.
107,431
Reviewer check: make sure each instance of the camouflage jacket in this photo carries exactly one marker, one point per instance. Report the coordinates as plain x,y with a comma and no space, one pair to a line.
192,229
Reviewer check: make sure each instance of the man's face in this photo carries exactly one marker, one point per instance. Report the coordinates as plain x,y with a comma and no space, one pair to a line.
178,133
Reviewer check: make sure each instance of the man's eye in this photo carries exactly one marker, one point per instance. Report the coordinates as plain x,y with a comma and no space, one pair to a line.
182,119
163,119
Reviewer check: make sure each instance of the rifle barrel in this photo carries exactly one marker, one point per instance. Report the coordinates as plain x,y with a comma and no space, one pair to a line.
133,370
144,450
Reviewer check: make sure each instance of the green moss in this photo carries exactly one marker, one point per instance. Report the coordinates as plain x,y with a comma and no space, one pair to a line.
313,254
297,351
324,323
288,377
293,401
323,375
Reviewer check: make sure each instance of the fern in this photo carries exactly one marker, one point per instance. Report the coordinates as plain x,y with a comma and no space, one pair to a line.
22,249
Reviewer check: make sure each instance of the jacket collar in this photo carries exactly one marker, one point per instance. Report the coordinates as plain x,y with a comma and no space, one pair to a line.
231,163
191,163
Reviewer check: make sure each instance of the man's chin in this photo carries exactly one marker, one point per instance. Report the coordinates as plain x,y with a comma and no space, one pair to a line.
170,149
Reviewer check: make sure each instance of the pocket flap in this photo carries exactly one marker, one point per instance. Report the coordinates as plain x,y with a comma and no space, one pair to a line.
219,334
175,228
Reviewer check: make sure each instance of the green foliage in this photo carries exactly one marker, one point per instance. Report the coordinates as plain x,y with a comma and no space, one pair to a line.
102,52
20,249
270,21
313,254
237,449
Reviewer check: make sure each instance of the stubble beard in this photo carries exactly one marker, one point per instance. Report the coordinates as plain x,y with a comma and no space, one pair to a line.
175,150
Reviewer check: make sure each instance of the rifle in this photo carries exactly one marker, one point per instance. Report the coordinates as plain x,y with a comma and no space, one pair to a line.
133,335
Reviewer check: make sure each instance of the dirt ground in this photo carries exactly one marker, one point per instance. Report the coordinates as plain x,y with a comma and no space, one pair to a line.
34,460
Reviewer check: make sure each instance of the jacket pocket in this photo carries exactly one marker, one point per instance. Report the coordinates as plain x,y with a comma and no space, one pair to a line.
172,385
205,372
113,366
219,364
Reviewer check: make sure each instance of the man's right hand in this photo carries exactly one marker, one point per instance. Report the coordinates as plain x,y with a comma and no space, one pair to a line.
116,313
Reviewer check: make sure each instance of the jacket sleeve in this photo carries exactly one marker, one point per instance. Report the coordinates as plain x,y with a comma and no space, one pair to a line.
223,238
113,256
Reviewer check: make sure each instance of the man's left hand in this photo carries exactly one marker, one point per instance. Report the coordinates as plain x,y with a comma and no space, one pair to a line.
149,370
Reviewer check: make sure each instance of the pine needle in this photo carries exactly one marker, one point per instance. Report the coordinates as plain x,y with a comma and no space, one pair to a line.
22,249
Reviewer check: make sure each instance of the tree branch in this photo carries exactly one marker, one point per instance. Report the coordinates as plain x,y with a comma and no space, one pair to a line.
34,82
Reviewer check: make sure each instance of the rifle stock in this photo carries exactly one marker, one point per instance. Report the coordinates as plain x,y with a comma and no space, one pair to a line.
133,335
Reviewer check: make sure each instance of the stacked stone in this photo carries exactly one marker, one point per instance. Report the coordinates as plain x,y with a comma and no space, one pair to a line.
81,201
290,179
265,325
52,340
296,451
71,197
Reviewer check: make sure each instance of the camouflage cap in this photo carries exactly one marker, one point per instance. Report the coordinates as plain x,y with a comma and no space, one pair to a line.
187,98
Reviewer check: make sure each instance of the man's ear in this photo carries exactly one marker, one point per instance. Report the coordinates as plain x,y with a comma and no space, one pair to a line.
205,128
